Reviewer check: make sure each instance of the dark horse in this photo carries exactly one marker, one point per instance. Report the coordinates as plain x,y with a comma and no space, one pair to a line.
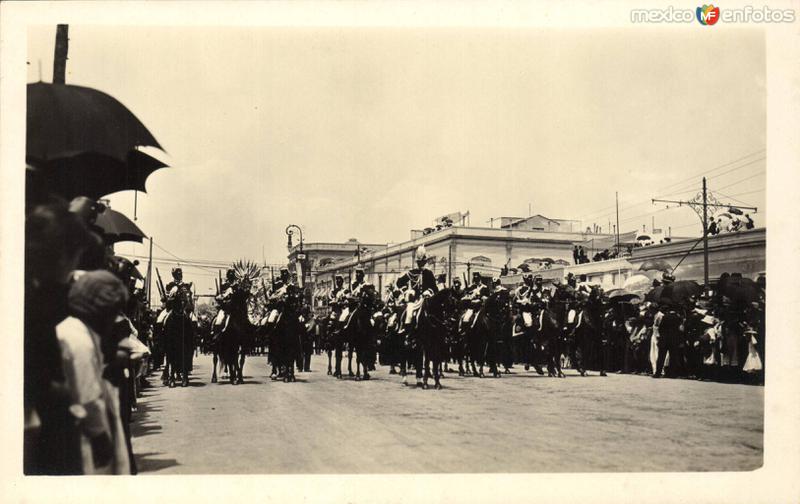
430,335
179,338
585,327
547,338
232,332
285,338
359,333
484,336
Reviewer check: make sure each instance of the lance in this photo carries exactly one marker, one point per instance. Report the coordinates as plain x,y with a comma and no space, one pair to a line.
160,285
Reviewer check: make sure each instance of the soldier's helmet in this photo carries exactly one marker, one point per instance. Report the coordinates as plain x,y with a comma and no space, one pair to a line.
176,272
537,279
527,277
422,255
360,269
230,274
667,278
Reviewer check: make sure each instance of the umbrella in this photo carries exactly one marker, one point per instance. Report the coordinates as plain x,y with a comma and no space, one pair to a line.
656,264
740,289
679,292
654,296
85,141
638,284
128,268
116,227
622,296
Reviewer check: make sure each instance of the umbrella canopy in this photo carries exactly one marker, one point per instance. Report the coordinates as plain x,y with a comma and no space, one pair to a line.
85,141
127,268
623,296
679,292
654,296
116,227
638,284
741,290
656,264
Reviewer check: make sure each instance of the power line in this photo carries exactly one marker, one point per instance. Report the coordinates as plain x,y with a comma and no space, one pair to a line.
599,213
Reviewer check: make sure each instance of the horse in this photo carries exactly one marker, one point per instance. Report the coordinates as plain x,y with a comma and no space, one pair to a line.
232,332
547,338
586,325
433,324
178,335
484,334
359,333
285,341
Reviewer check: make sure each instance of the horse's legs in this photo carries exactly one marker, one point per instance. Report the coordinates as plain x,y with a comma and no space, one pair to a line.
338,372
214,369
437,363
426,363
330,354
243,354
350,359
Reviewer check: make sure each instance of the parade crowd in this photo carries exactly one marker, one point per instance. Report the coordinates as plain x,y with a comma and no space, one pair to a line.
90,339
83,358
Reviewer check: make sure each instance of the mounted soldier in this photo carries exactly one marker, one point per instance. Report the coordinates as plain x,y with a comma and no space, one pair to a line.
473,298
285,303
336,303
232,327
178,323
417,282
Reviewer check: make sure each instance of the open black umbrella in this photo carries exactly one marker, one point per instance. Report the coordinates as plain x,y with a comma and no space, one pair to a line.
654,296
740,289
85,141
622,296
656,264
679,292
117,227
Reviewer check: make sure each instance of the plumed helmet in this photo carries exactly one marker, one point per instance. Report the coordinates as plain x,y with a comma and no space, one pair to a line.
421,255
666,277
175,271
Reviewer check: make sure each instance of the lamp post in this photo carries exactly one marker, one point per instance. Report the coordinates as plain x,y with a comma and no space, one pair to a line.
290,230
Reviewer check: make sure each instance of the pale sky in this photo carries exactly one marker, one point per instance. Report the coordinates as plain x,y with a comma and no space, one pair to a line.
368,133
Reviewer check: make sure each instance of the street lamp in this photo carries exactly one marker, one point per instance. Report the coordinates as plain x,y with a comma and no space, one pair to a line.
290,231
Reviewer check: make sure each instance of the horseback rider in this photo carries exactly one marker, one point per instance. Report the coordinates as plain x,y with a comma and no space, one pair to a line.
418,283
539,293
176,288
474,296
355,294
441,282
457,290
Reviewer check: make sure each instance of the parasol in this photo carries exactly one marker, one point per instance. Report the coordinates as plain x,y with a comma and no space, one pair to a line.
654,296
85,141
655,264
740,289
623,296
679,292
117,227
638,284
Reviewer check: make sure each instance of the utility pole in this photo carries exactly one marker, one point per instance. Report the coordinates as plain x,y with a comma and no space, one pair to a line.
616,228
60,55
700,204
150,272
705,235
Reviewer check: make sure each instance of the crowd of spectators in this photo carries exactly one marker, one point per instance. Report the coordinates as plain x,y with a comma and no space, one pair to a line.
81,347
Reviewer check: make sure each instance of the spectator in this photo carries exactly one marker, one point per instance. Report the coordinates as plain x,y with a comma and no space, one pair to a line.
749,224
95,368
55,241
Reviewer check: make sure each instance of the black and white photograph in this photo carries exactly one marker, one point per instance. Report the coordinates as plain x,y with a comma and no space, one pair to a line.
495,243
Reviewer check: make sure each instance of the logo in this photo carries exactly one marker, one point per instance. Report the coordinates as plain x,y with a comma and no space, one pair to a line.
708,15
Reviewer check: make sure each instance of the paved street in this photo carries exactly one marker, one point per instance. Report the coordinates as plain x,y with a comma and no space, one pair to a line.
519,423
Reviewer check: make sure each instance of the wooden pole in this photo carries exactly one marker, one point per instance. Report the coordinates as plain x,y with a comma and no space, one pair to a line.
60,55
